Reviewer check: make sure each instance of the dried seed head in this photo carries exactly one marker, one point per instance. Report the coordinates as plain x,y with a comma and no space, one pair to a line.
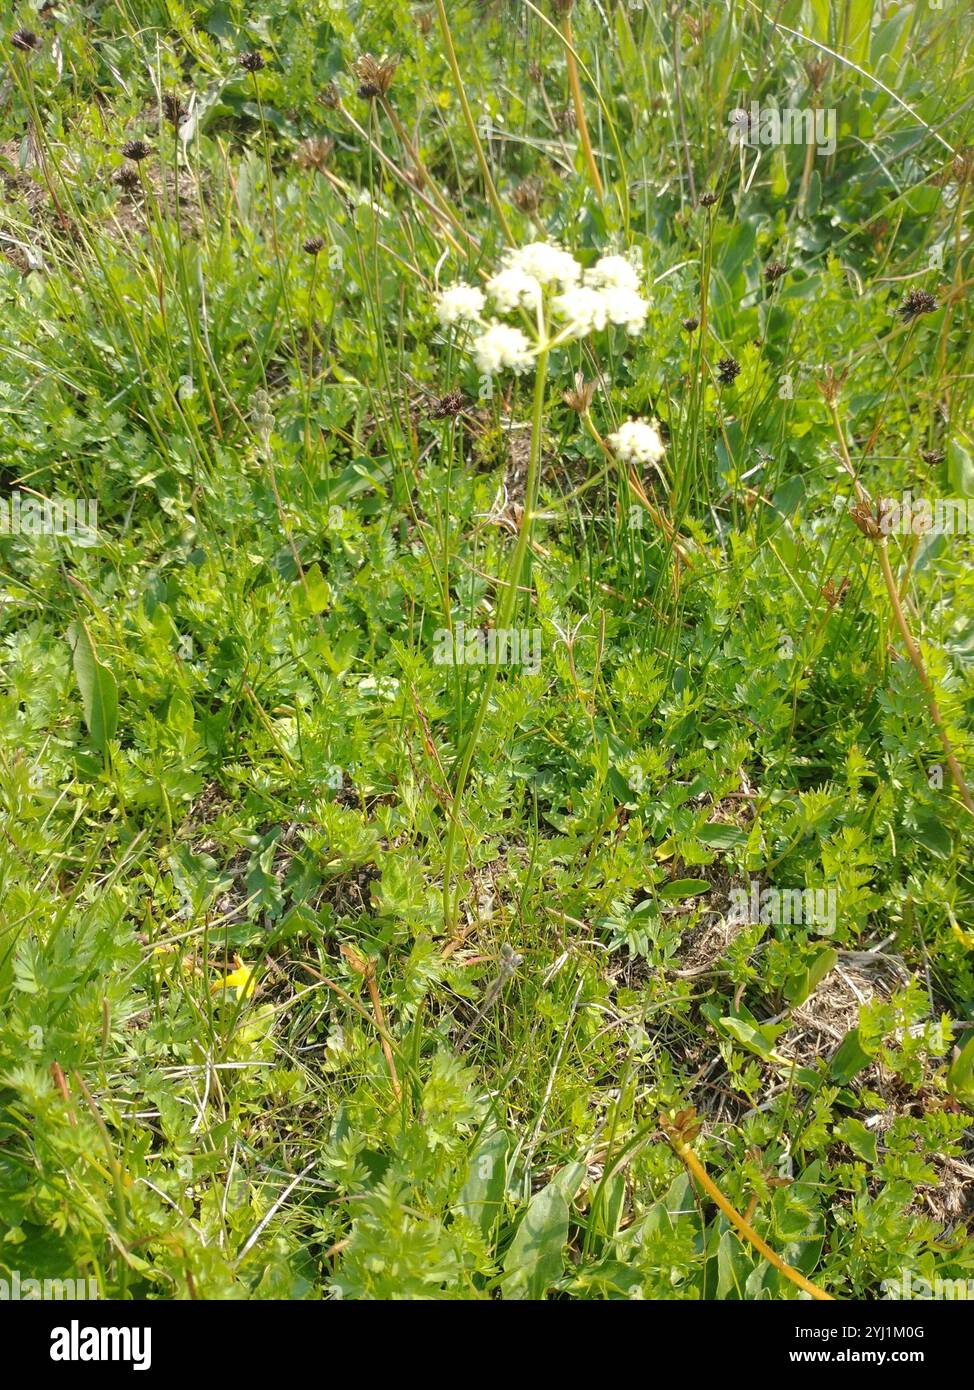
816,70
916,303
314,153
313,245
869,522
424,21
831,384
579,398
773,271
728,368
691,325
330,96
527,196
173,108
562,7
449,405
707,200
833,595
252,61
375,75
25,40
136,150
128,179
932,456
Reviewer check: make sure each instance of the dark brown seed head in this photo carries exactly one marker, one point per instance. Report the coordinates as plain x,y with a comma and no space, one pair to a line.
136,150
917,302
707,200
127,178
691,325
773,271
932,457
450,404
25,40
252,61
330,96
375,75
172,108
727,369
313,245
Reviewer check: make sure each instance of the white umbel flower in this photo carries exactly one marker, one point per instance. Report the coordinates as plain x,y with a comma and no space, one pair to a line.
501,346
625,307
547,263
513,289
613,272
583,310
459,303
637,441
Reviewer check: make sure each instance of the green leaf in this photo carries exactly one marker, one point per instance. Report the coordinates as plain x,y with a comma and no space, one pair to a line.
807,980
534,1258
483,1191
681,888
98,687
850,1058
960,1074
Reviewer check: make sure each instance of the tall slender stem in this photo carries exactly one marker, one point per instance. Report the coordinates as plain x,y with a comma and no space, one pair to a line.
579,105
489,188
505,614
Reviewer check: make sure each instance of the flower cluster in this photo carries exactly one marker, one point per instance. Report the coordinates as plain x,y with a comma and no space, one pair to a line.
637,441
559,303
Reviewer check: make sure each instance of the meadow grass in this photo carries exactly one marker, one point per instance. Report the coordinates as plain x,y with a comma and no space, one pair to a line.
446,853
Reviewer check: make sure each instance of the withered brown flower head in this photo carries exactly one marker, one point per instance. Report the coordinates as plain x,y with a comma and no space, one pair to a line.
136,150
869,522
816,70
25,40
932,456
314,245
173,108
527,196
728,369
916,303
252,61
691,325
831,384
314,153
449,405
424,20
773,271
707,200
375,75
127,178
833,595
579,398
330,96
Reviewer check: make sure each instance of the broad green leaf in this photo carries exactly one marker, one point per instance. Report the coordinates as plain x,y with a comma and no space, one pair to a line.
98,687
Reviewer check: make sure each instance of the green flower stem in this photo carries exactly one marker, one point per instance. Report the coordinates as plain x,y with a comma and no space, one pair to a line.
505,614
